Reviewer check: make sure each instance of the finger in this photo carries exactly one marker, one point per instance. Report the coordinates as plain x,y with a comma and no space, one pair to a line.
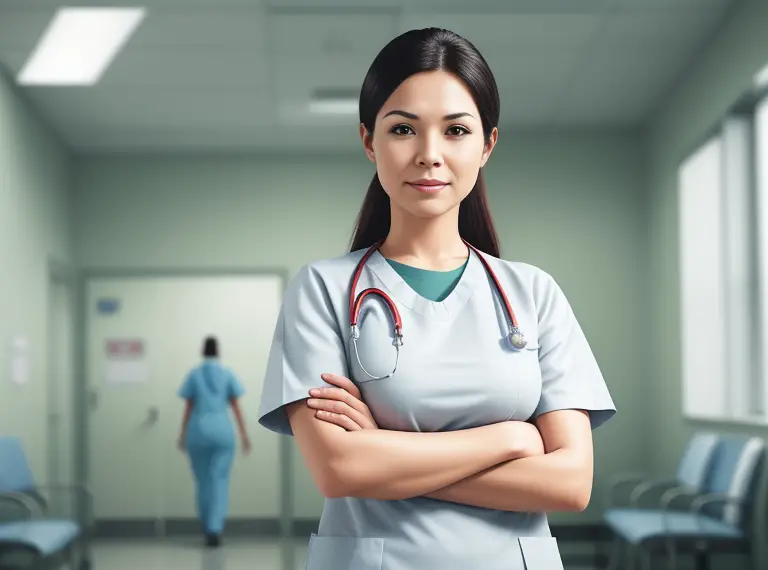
337,407
338,419
342,395
343,382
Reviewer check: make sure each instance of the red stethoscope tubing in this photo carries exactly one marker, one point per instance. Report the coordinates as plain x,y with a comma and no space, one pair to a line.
355,303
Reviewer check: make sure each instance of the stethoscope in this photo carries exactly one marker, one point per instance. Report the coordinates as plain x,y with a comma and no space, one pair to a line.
515,337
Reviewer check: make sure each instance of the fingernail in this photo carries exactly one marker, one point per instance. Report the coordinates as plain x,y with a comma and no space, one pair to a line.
311,402
314,392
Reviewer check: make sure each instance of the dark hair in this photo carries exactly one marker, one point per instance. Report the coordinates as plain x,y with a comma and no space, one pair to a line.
414,52
211,347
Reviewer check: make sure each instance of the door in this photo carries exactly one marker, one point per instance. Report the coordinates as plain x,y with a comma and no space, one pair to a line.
137,472
61,384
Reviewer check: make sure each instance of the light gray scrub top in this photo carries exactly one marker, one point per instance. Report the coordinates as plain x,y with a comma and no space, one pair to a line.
456,371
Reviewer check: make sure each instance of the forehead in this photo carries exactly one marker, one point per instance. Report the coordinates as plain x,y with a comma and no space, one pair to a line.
431,94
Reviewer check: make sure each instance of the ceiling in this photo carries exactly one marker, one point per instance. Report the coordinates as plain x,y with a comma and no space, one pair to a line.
236,75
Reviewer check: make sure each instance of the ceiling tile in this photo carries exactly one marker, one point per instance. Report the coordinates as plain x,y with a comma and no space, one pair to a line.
648,28
331,35
609,80
189,67
554,30
669,5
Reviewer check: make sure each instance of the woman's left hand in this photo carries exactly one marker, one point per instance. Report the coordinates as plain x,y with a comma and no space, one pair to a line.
342,406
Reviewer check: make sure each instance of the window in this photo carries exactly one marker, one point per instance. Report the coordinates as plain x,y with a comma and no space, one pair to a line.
723,240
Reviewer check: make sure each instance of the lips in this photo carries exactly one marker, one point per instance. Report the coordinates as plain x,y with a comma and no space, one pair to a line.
428,185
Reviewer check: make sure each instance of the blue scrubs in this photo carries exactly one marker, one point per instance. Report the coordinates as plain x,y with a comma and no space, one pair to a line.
211,438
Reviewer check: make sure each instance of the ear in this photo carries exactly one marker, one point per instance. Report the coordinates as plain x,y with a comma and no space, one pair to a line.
367,142
489,146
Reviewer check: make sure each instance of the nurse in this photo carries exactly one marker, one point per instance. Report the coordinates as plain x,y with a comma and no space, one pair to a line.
439,440
208,436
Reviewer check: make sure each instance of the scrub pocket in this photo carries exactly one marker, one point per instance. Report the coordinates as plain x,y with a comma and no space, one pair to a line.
344,553
540,553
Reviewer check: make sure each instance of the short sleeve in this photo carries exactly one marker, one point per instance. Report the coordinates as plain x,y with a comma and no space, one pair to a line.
187,390
571,377
307,342
234,387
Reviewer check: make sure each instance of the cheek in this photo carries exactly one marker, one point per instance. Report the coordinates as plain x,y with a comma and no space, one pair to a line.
390,164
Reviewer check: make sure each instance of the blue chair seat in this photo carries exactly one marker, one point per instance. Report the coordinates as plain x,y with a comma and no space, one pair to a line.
637,526
47,537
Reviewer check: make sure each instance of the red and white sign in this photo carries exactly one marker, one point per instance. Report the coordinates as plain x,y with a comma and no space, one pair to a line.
125,349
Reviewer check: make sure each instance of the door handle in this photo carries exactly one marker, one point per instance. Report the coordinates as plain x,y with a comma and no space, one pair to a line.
153,414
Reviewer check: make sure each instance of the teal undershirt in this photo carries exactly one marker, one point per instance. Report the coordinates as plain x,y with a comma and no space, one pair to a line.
432,285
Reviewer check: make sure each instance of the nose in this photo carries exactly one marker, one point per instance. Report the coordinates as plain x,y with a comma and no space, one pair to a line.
429,153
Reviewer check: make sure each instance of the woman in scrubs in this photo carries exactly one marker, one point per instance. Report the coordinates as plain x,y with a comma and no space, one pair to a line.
208,436
445,452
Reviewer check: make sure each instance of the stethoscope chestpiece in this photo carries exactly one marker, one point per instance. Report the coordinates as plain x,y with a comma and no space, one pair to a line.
516,338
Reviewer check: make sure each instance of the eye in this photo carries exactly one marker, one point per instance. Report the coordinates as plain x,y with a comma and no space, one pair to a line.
458,131
396,130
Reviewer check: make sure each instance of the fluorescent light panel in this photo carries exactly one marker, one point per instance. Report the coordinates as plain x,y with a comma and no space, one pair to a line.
334,107
79,44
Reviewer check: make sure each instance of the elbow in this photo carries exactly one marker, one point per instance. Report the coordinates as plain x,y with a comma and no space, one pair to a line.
334,481
579,493
578,500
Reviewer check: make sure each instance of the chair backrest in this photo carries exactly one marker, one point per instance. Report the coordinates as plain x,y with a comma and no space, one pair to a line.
695,464
736,469
15,474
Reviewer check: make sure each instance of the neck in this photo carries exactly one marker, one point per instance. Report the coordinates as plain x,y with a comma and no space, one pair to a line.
428,243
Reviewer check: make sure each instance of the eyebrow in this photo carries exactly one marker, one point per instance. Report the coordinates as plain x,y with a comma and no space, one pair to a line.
413,117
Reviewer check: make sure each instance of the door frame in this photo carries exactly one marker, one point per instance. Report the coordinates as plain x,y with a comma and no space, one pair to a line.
60,273
83,396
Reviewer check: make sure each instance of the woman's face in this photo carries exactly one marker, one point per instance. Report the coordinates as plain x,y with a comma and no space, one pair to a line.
428,144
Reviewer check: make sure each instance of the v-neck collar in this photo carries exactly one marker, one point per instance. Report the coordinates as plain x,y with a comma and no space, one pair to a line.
474,276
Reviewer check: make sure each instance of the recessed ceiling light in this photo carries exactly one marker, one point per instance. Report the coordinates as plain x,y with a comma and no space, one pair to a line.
79,44
334,102
337,107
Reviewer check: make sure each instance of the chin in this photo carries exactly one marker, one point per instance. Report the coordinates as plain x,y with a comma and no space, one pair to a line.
429,209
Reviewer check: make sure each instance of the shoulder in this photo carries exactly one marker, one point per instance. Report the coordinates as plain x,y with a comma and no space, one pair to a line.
326,273
531,279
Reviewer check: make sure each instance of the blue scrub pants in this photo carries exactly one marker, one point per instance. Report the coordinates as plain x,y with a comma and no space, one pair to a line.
212,466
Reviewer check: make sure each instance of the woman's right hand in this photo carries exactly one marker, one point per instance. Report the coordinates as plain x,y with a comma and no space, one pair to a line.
524,438
246,443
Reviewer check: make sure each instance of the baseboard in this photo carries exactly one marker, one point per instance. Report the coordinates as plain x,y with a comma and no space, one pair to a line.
148,528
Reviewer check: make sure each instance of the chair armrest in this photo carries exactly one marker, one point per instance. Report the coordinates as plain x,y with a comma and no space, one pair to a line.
648,486
698,504
25,501
670,495
74,488
622,479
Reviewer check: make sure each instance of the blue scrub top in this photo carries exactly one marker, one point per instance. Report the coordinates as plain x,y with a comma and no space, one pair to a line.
210,387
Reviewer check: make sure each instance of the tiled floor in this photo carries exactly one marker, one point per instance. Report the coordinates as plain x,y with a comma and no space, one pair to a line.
189,554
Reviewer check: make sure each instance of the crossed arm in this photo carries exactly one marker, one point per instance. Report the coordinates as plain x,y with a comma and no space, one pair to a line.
500,466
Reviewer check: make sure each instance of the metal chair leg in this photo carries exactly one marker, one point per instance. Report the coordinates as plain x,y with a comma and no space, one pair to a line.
614,558
645,558
671,554
631,556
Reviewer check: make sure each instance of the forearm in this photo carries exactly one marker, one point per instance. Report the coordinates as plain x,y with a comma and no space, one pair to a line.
185,420
556,481
239,420
391,465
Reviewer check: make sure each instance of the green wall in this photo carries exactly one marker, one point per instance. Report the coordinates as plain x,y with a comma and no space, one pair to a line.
571,203
35,228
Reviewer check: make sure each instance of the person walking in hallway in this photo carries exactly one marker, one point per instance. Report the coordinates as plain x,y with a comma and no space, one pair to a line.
208,436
